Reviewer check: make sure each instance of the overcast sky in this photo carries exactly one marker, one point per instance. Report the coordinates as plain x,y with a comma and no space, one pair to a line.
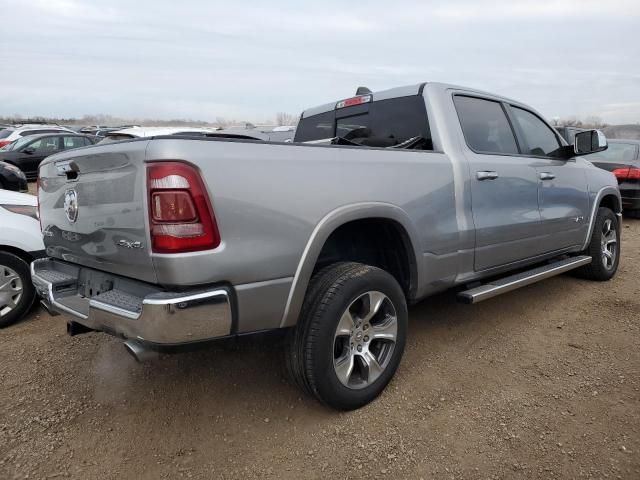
248,60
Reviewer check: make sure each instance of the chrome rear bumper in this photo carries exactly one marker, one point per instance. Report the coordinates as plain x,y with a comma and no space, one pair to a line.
131,309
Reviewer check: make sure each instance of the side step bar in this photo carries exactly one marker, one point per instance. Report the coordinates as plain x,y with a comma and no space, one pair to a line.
506,284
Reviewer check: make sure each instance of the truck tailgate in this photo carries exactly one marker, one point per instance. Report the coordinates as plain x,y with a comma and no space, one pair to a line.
93,208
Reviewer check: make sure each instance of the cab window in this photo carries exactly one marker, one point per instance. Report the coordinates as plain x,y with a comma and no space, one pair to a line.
485,125
541,140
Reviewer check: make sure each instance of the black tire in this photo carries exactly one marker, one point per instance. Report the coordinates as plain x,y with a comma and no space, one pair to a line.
18,265
311,349
600,269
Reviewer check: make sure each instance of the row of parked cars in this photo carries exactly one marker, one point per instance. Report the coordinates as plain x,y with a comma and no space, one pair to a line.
23,147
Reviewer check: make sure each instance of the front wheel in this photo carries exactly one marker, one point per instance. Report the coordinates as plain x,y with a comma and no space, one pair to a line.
604,247
16,290
351,335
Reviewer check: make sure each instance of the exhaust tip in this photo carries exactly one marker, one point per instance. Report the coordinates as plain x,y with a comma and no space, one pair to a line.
139,351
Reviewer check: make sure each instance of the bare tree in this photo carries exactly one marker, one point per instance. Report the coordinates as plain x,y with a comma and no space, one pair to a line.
283,118
594,121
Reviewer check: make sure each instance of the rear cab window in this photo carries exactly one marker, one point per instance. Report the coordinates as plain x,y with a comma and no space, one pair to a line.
382,123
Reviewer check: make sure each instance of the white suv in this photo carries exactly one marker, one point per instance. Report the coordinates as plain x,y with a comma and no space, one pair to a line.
10,134
20,243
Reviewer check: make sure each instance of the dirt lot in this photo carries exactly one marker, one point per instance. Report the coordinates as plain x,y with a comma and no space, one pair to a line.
539,383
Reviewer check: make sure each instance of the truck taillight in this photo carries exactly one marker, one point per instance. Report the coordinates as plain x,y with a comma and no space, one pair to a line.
180,214
627,173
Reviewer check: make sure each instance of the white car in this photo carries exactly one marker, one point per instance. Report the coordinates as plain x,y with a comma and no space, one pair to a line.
10,134
20,243
140,132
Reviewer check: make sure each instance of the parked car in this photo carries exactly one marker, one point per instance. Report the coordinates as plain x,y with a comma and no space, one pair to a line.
27,152
268,133
20,243
146,132
103,132
142,132
622,158
408,192
12,178
569,133
8,135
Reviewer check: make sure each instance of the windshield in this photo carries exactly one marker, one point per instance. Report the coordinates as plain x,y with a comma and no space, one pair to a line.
5,133
18,144
384,123
615,153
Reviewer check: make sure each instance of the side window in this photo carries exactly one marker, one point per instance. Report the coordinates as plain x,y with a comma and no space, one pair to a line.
73,142
540,139
87,141
47,145
485,125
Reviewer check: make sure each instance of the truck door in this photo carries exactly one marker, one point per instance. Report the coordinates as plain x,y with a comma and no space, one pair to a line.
562,184
504,185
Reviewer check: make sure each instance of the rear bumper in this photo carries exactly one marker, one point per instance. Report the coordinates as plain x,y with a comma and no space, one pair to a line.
630,193
131,309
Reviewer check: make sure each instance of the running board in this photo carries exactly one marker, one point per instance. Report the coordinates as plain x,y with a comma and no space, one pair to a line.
506,284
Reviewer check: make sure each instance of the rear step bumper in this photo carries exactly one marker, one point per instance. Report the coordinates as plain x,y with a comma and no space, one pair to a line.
506,284
154,316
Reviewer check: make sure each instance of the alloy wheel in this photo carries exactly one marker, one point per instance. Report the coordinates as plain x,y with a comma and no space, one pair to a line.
364,340
609,244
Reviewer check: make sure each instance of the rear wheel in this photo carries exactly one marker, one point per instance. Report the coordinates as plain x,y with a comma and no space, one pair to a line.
16,290
604,247
351,335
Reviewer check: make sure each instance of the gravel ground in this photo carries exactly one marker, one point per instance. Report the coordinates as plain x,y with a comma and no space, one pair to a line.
543,382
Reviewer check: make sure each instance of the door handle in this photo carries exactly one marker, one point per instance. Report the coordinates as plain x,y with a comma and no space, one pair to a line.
546,176
486,175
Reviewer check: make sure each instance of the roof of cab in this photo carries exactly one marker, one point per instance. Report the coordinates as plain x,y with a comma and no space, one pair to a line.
408,90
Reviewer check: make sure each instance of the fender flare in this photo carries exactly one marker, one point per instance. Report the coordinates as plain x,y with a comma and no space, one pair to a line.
603,192
325,227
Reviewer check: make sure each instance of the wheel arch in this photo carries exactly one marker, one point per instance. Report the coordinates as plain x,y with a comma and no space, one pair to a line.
333,222
26,256
606,197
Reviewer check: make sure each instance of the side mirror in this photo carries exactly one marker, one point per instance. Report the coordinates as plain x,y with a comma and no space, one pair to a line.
589,141
29,150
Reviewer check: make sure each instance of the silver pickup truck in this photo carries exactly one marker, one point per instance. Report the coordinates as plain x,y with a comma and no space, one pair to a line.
383,199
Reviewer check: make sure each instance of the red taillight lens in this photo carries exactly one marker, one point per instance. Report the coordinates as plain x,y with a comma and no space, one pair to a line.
180,213
173,206
4,142
627,173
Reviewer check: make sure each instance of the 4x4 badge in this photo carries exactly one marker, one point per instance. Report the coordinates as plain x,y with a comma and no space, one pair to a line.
71,205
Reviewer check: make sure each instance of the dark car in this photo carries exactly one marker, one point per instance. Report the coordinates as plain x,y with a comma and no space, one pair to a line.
569,133
12,178
26,153
622,158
